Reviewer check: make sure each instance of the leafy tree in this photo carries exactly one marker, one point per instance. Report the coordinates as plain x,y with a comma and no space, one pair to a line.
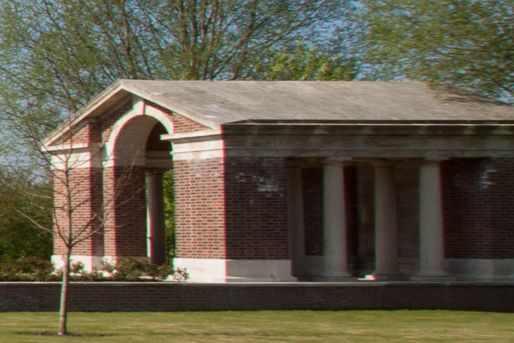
19,237
57,54
465,44
302,62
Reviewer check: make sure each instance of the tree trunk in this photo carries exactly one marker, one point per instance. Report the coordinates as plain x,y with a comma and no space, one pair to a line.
63,306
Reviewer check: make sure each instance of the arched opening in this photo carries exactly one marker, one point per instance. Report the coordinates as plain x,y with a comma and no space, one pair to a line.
157,154
140,160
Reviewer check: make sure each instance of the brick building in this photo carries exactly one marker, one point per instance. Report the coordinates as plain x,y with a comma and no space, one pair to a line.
284,181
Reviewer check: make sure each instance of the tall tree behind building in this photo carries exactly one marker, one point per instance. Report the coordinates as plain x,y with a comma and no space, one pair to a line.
465,44
57,54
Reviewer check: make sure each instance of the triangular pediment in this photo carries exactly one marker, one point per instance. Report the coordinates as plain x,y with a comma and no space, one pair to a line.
122,96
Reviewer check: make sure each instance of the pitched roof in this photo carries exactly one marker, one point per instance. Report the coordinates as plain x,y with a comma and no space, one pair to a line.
217,103
225,102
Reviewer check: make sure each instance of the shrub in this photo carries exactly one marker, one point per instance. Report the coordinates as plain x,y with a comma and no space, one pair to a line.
26,268
133,269
30,268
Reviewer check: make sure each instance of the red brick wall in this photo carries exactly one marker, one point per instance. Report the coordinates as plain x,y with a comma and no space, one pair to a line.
256,208
181,124
478,198
85,190
124,200
125,211
84,132
178,296
199,208
234,209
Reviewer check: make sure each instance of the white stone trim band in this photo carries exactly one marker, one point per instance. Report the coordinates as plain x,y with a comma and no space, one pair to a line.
76,160
481,269
198,150
228,270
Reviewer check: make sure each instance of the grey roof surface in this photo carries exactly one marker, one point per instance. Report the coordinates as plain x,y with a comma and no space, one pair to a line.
224,102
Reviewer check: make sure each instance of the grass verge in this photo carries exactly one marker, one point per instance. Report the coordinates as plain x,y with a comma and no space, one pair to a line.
263,326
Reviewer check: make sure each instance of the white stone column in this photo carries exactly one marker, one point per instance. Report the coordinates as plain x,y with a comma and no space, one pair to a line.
335,250
431,242
386,232
295,215
155,211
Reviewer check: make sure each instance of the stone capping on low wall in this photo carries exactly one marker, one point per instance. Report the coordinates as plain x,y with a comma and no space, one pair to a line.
177,296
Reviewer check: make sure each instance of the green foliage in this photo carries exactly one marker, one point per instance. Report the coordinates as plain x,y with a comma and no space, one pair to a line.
465,44
53,65
26,269
264,326
169,218
20,236
33,268
301,62
129,269
133,269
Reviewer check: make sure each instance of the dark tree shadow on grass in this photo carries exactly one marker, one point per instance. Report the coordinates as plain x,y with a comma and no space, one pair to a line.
72,334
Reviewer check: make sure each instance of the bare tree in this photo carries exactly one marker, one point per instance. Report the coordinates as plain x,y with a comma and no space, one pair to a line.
77,215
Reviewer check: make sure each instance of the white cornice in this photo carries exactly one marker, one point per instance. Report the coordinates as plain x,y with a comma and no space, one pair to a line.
174,137
72,147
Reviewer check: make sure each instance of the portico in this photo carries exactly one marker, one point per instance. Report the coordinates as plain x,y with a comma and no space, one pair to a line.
285,181
336,252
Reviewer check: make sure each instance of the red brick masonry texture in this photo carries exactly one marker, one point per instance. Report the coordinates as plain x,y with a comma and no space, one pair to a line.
150,296
478,198
234,208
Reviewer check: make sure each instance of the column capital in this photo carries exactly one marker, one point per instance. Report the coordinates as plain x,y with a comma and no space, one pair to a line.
155,171
434,157
380,163
430,162
336,161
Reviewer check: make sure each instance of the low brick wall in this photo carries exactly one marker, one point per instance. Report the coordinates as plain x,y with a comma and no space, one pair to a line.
152,296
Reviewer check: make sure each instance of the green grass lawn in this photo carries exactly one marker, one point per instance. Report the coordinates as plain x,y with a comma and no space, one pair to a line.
263,326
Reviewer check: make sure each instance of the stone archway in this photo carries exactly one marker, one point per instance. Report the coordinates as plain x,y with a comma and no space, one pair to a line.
134,162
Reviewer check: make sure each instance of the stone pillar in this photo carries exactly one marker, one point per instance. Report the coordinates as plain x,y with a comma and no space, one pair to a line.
386,235
431,246
155,210
335,250
295,214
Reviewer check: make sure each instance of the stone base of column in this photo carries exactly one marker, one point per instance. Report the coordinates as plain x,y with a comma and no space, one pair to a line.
387,277
228,270
334,278
433,277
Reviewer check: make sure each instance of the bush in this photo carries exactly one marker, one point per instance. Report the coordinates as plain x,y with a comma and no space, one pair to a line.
32,268
26,268
133,269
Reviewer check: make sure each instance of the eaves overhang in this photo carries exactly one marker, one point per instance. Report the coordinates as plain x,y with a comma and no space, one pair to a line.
382,127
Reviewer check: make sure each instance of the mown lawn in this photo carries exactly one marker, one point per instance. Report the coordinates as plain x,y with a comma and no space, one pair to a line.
263,326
